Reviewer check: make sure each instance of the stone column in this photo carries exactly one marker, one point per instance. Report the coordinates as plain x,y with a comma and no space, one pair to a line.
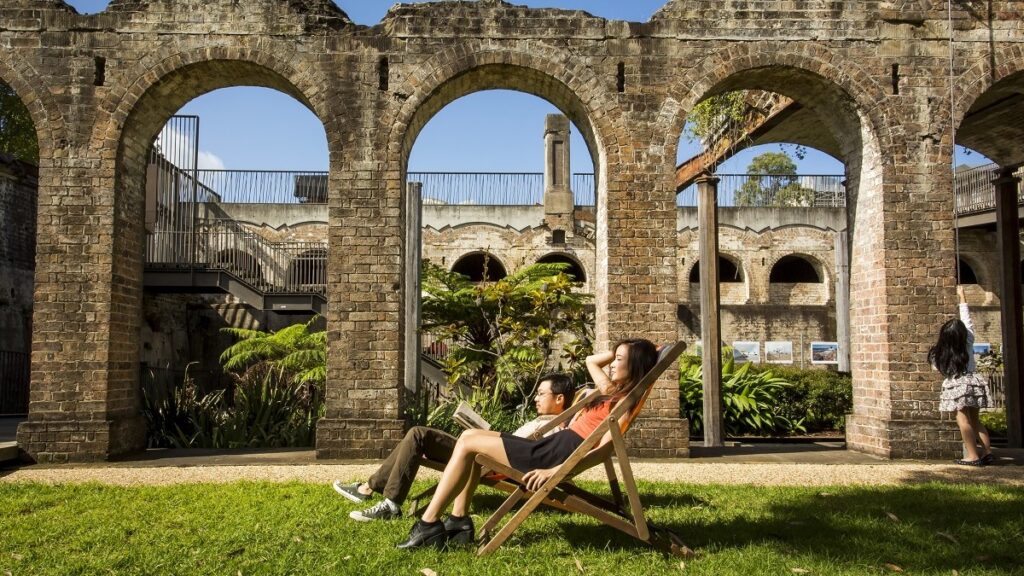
842,253
635,284
710,313
413,262
84,392
1008,232
902,281
558,199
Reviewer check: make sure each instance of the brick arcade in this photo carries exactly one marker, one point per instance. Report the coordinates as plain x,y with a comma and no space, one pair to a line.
874,74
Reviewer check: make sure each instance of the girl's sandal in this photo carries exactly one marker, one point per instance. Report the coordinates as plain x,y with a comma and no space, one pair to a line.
977,463
988,459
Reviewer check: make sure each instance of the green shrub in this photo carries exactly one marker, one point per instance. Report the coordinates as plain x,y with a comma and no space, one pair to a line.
751,398
821,398
995,422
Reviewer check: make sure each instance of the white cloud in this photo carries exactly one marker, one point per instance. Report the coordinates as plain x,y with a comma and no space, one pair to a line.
210,161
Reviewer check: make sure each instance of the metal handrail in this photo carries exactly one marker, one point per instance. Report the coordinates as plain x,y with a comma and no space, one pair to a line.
771,190
975,191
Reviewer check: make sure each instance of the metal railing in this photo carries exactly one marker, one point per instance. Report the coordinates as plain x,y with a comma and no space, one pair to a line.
997,391
14,382
975,191
271,267
766,190
494,188
265,186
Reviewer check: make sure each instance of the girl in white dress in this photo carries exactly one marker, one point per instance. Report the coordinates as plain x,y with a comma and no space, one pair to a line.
964,391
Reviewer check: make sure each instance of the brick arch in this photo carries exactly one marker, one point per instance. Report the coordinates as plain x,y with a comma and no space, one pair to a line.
488,255
49,125
457,72
732,258
155,77
783,71
571,258
980,78
814,261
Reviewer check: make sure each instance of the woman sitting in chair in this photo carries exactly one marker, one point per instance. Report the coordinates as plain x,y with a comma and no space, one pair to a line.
628,362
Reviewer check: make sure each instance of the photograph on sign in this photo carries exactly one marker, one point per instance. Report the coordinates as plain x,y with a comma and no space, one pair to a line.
824,353
778,352
744,352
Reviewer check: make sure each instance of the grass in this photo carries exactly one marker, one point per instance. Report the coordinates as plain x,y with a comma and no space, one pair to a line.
266,528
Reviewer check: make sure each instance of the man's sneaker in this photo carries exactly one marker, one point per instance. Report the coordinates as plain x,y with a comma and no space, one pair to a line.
350,491
383,510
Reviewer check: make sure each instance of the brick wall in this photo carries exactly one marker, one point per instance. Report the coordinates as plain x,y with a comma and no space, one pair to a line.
893,133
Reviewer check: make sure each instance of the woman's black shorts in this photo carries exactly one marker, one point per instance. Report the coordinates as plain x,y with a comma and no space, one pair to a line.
550,451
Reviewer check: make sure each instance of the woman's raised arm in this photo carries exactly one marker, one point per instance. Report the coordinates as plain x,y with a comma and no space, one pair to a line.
595,367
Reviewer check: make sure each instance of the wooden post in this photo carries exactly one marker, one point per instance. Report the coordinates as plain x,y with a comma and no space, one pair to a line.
842,249
413,240
1008,234
710,321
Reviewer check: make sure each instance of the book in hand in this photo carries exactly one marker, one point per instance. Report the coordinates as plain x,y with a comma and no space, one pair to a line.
466,417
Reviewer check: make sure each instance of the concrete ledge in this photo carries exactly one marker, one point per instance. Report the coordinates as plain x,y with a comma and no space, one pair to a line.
8,451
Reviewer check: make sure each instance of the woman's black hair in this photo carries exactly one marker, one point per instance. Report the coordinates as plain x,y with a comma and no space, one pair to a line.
950,355
643,355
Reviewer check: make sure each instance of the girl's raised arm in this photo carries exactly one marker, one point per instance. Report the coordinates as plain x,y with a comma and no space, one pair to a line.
595,366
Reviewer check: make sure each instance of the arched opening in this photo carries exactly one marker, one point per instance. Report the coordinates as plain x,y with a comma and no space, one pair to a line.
205,153
728,272
794,270
529,174
19,183
575,269
480,267
967,274
987,201
794,156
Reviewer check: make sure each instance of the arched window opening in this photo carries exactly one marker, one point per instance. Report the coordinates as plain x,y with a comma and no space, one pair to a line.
728,272
574,270
793,270
967,274
480,267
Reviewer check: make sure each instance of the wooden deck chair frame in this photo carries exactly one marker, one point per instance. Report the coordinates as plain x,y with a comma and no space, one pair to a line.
560,493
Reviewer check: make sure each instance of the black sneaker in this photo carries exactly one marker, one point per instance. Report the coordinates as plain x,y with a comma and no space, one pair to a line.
383,510
351,491
460,529
423,534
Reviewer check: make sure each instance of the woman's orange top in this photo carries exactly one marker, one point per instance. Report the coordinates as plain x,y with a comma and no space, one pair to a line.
590,418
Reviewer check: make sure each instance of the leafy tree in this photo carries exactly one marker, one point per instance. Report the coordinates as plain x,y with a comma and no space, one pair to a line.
300,353
17,132
505,333
772,181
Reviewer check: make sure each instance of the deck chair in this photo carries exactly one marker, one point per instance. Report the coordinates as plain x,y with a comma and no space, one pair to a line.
622,513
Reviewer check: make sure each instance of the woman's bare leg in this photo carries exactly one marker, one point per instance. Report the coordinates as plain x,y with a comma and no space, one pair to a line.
967,432
457,473
460,507
979,428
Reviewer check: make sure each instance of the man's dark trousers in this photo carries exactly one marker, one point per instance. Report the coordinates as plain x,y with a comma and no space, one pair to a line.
394,477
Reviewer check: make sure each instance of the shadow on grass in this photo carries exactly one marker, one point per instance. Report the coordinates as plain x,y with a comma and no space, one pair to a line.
924,528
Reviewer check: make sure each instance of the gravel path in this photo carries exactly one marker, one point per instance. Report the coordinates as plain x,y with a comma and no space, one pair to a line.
688,472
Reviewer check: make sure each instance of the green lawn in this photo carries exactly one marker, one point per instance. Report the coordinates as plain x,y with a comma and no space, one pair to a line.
264,528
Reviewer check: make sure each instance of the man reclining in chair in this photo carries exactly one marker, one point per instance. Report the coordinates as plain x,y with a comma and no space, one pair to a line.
395,476
628,362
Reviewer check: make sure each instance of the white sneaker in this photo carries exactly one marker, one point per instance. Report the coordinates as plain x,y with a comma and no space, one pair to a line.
383,510
351,491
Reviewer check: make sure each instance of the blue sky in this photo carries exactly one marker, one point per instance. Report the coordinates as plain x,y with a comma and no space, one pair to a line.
493,131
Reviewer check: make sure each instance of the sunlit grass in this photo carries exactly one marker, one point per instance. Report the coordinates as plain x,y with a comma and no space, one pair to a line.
267,528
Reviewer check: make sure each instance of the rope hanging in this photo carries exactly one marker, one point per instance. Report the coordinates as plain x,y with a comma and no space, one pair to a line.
952,120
